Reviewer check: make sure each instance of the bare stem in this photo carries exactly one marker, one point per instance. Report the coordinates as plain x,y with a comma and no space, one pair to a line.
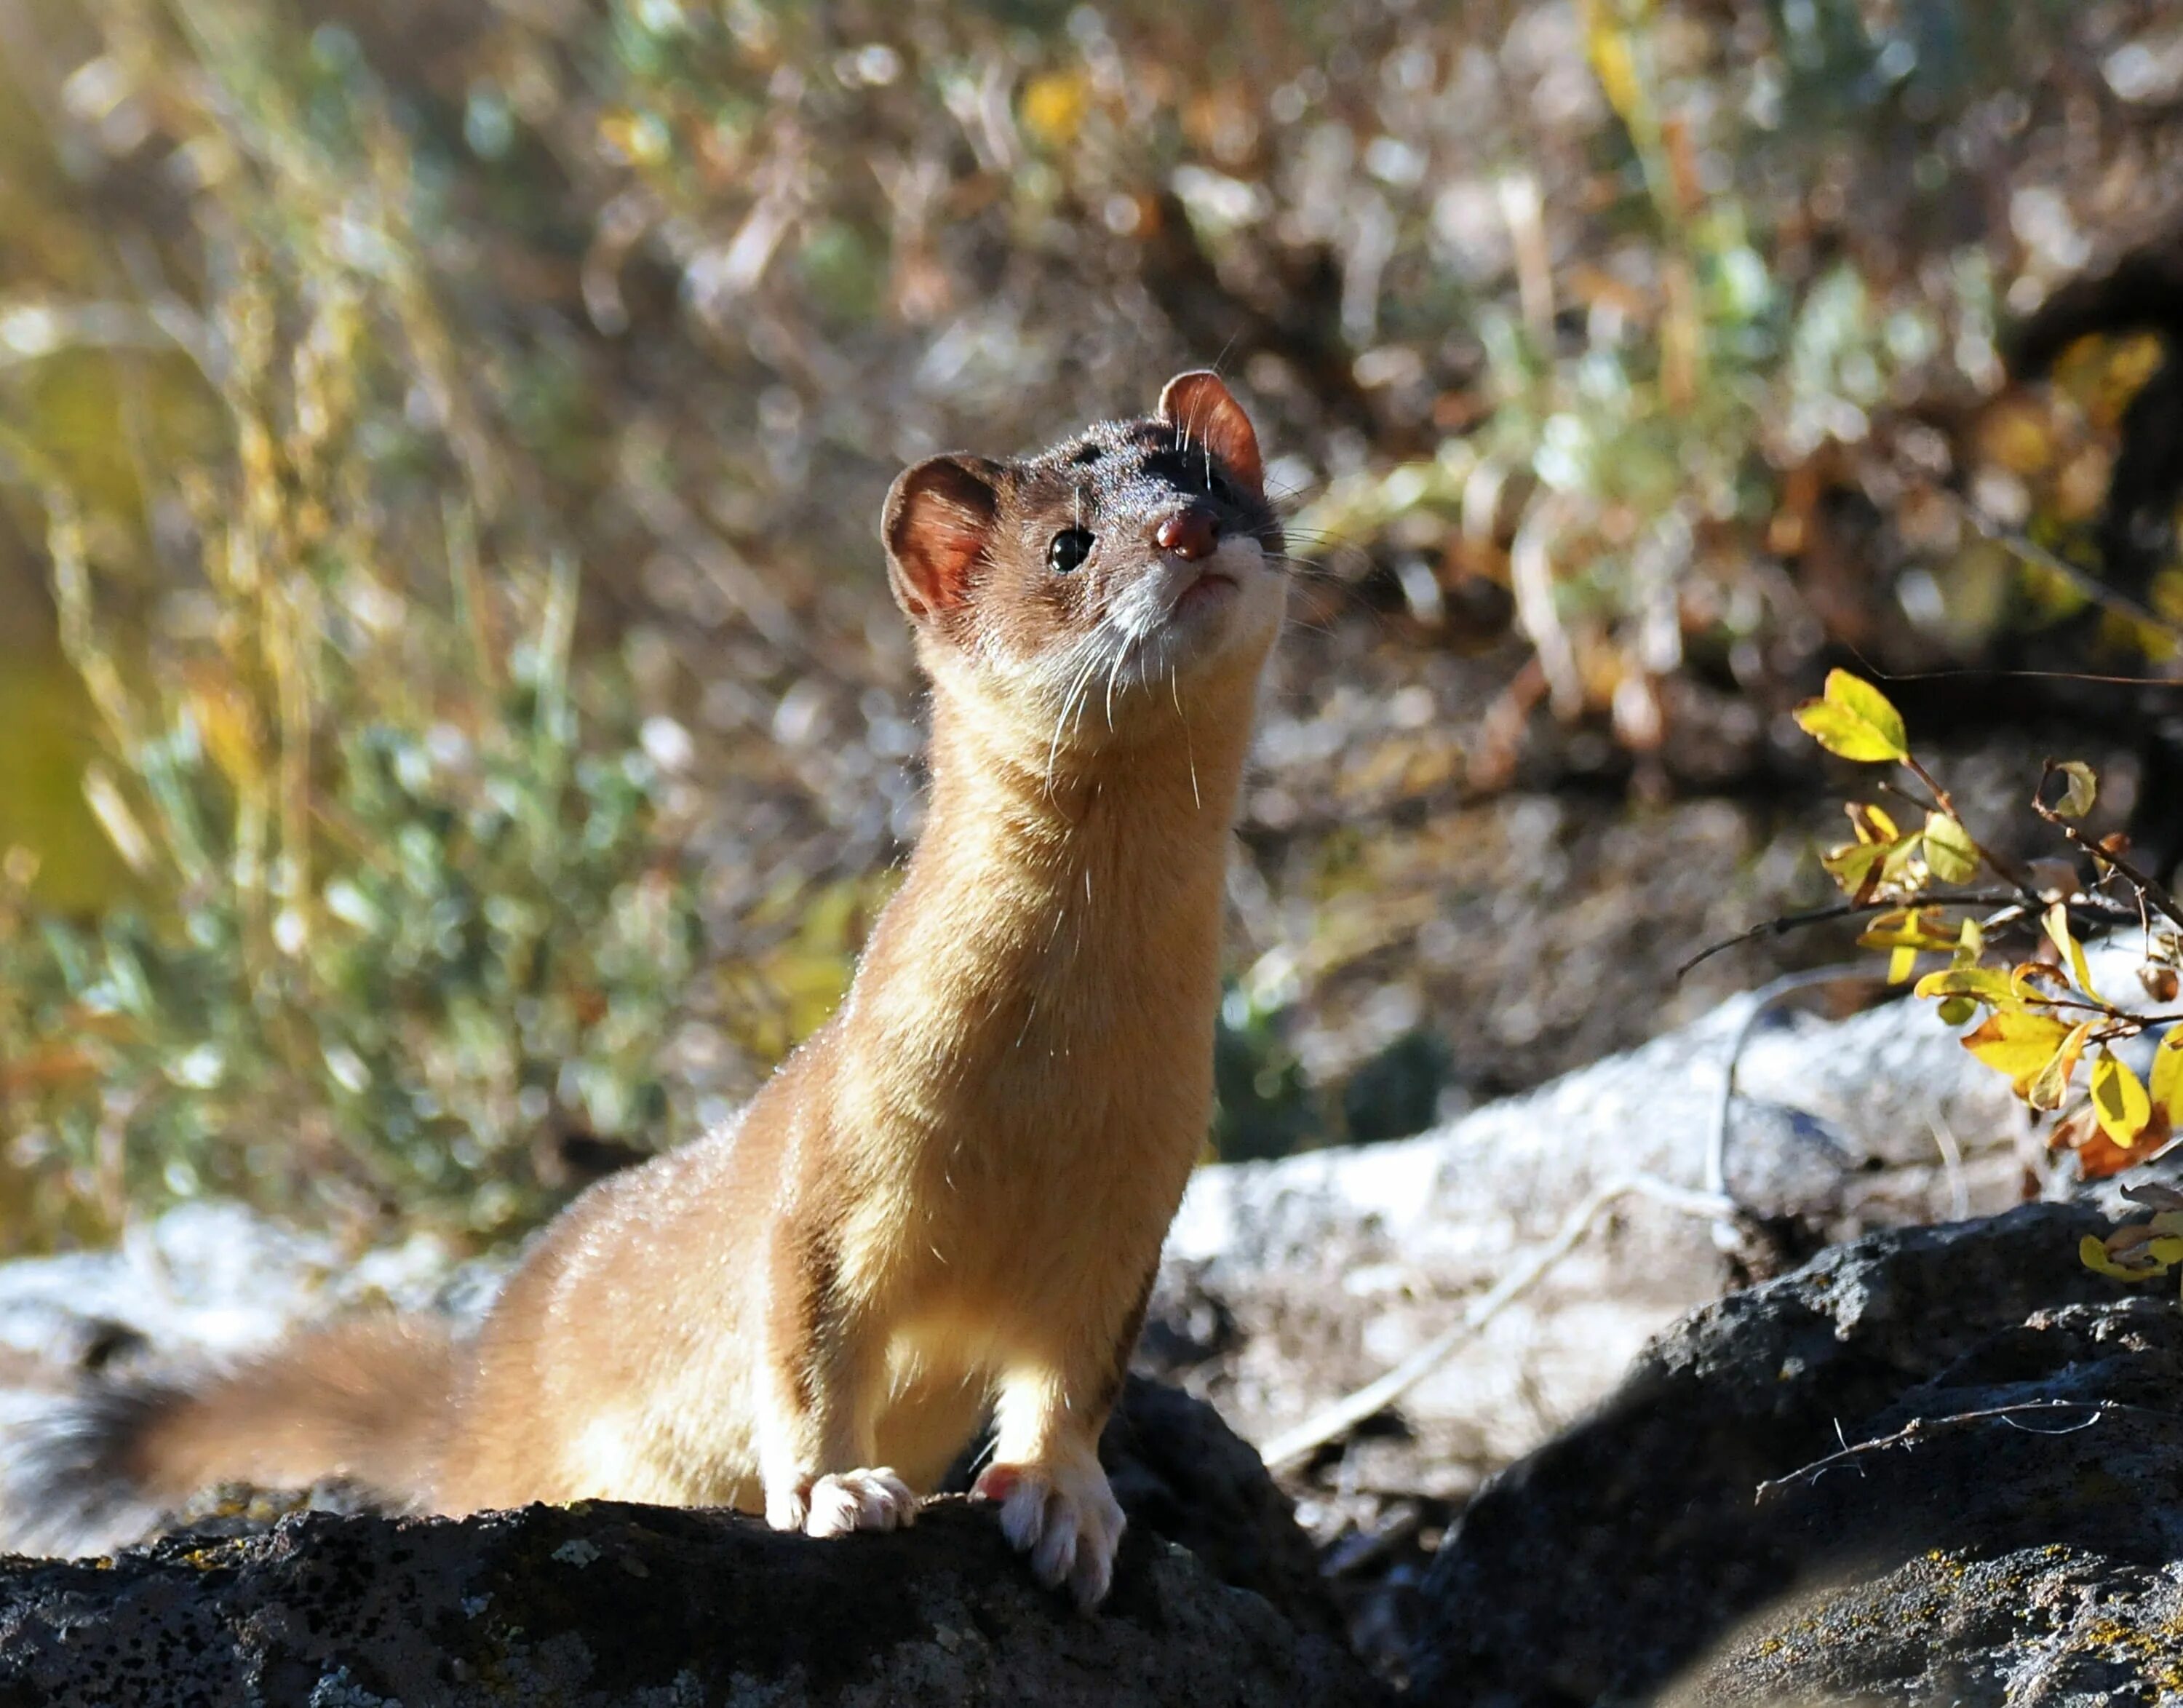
2147,886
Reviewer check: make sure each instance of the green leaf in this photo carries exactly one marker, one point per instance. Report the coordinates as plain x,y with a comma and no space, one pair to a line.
1950,853
1956,1010
2119,1099
1853,720
2083,788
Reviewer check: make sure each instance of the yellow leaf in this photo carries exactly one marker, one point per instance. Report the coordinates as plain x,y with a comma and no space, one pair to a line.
2051,1084
1983,983
1905,928
2092,1253
1854,720
2119,1099
2167,1087
2016,1044
2082,790
1871,823
2057,921
1855,866
1055,105
1607,46
1949,851
1902,964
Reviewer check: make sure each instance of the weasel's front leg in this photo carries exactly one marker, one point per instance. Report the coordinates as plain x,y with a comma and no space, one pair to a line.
1056,1504
821,1378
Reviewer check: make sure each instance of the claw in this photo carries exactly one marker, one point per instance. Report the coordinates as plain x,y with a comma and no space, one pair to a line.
843,1502
1064,1517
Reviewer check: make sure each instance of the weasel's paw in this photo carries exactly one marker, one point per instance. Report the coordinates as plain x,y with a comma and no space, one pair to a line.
1065,1517
841,1501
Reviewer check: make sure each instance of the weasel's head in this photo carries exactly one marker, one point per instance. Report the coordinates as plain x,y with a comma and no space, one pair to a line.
1118,569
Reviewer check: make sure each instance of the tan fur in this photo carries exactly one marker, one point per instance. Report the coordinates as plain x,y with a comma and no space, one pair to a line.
342,1400
952,1198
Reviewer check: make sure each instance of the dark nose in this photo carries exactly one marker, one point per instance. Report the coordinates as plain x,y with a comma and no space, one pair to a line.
1190,534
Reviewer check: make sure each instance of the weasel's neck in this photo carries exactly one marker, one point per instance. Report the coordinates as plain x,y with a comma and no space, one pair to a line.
1064,904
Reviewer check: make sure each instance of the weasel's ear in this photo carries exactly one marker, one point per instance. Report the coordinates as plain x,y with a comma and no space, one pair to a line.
1207,413
938,517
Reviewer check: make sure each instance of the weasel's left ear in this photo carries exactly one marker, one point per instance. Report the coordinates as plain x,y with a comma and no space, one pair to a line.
1209,414
938,517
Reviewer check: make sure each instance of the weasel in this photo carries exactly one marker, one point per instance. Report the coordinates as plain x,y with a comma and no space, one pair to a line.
948,1204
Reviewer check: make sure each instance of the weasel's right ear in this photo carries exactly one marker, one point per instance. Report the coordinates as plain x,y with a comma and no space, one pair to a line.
1207,413
938,518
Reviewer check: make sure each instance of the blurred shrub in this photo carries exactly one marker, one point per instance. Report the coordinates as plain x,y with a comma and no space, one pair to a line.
333,335
401,903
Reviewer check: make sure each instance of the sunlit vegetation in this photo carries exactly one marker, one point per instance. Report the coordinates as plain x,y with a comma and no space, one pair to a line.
450,709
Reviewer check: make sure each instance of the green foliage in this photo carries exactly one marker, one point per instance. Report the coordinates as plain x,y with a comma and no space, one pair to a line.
331,338
481,950
397,906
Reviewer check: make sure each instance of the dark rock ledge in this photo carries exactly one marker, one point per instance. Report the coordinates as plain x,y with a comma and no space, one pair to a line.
640,1607
1217,1600
2018,1538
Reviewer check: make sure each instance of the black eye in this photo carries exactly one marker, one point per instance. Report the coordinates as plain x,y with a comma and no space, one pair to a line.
1068,549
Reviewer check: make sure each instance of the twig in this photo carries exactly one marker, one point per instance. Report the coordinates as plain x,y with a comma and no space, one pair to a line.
2090,585
1920,1428
1952,1161
1716,1158
2149,886
2007,870
2105,913
1338,1419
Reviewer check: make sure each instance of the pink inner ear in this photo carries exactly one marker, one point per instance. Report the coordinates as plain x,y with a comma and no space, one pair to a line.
942,548
936,524
1207,413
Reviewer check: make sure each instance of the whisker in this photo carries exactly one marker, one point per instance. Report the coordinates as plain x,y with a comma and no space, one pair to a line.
1189,750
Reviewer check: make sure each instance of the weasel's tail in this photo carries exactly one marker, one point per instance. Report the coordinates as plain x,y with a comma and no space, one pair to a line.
367,1400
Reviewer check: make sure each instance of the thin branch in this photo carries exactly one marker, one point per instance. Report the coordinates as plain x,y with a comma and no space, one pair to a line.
1924,1429
2090,585
2101,912
1338,1419
2006,871
1716,1161
2149,886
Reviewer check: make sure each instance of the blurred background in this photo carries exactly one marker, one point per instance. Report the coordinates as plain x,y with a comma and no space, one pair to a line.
454,733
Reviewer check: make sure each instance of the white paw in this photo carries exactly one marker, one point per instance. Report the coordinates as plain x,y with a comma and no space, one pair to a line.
843,1502
1065,1517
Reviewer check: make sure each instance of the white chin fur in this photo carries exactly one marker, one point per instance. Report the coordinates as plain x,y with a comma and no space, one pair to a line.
1143,642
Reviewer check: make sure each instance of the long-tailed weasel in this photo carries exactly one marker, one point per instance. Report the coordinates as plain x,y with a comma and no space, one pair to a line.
949,1202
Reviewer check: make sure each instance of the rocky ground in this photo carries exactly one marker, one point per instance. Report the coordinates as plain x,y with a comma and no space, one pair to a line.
1929,1464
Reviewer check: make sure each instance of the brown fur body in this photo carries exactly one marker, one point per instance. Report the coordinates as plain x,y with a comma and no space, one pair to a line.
950,1200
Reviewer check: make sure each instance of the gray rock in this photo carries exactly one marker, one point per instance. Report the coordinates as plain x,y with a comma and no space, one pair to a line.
1288,1284
639,1607
2010,1515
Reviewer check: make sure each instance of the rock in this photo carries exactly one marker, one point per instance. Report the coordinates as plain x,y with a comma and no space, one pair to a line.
209,1279
2049,1625
1289,1284
611,1604
2009,1513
